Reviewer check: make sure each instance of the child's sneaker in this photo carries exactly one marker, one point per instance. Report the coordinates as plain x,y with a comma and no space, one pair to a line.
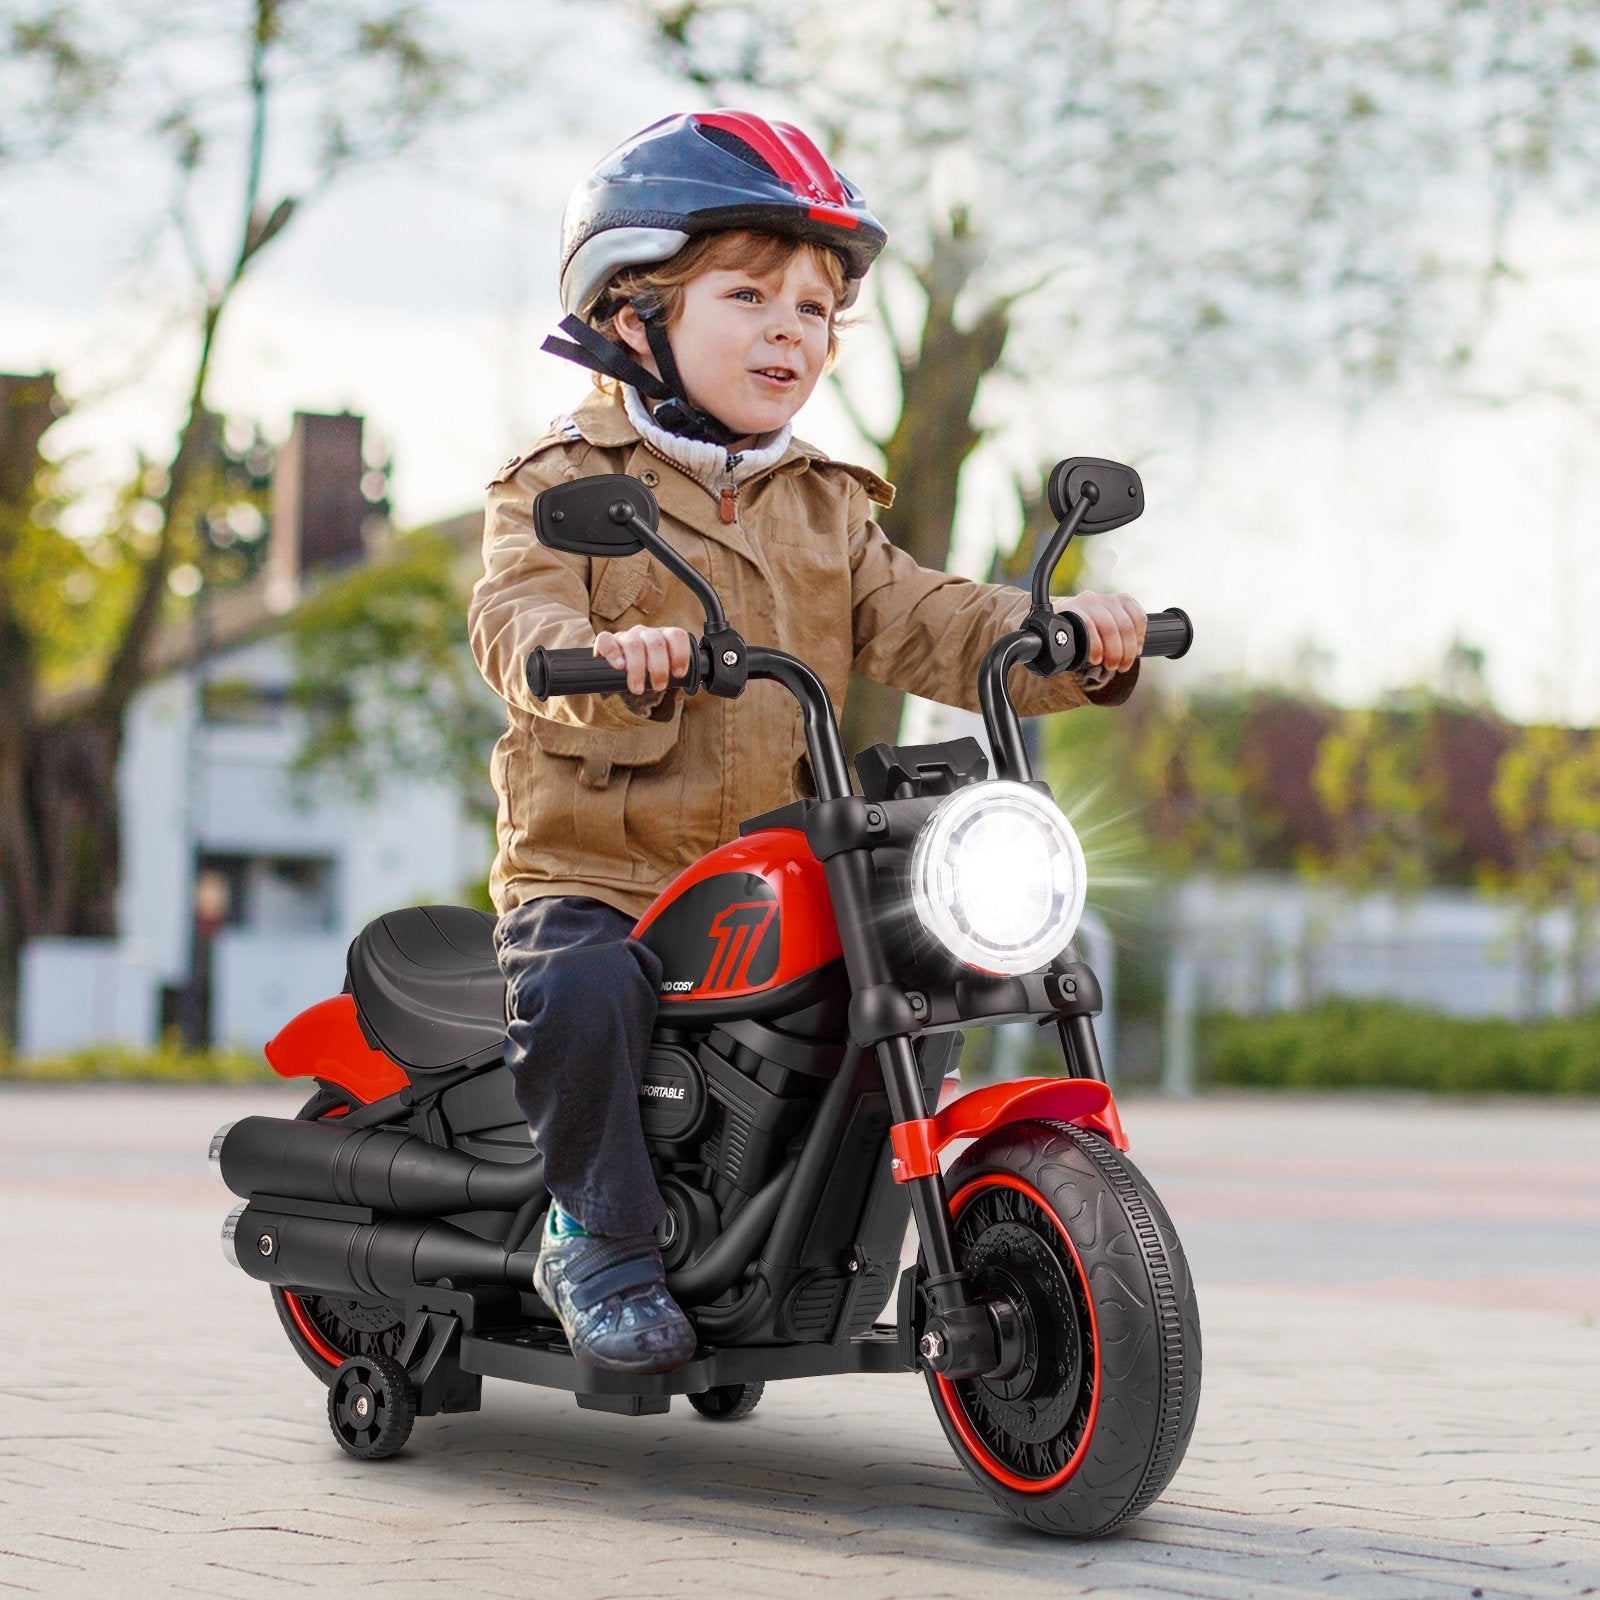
611,1296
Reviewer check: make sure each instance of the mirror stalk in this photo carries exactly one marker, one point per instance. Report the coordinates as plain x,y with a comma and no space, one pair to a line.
1045,568
624,516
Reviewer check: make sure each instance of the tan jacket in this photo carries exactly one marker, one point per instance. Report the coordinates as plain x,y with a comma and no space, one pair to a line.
598,797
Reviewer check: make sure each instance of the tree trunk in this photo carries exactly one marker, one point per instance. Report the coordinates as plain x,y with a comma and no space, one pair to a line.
930,444
59,854
28,405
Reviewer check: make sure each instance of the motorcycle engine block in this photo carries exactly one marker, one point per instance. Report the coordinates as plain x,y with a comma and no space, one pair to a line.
719,1113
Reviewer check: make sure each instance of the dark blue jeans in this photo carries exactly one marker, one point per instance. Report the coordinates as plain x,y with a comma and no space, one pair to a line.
582,1001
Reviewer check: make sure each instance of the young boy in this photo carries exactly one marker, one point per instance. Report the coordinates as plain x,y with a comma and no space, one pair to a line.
704,264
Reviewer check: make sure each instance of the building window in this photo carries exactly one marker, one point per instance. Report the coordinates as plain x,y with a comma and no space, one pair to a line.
269,894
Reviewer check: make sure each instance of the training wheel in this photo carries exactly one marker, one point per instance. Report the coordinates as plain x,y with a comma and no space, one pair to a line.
371,1406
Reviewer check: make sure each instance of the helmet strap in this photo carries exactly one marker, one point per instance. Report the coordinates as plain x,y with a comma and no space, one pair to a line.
674,412
593,350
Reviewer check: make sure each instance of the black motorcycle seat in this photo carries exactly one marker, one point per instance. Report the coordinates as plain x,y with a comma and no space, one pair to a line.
427,985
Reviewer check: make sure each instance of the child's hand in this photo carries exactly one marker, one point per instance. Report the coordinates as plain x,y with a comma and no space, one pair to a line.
657,654
1116,627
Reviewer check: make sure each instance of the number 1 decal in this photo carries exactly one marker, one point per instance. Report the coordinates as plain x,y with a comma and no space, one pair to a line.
738,930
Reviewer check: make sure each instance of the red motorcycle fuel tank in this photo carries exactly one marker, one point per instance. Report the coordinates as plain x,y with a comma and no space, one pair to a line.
745,921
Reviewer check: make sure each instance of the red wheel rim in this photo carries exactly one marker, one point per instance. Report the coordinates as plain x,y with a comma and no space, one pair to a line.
309,1330
951,1399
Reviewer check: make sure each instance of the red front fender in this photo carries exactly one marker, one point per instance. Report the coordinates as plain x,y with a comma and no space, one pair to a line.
325,1042
1085,1101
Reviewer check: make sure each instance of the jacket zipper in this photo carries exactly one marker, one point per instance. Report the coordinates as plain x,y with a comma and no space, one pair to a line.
725,494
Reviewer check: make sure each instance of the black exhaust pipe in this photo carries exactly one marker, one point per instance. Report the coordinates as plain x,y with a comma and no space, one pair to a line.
390,1257
392,1172
384,1260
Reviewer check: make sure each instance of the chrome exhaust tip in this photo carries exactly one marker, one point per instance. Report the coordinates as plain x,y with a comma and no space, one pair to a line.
231,1227
214,1155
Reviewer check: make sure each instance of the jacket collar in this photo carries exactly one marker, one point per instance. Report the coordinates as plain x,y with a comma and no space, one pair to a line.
603,421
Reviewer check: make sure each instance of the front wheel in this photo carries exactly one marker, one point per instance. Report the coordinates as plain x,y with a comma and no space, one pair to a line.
1093,1418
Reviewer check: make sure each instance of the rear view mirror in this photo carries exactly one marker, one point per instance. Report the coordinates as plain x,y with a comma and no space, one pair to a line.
615,515
591,516
1114,491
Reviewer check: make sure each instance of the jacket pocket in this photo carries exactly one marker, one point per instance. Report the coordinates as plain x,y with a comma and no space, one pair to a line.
627,583
597,768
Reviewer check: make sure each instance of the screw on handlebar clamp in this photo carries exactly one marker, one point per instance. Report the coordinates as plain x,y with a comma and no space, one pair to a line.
726,662
1063,638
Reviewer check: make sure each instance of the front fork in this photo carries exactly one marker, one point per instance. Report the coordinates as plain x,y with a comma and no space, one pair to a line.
960,1335
958,1338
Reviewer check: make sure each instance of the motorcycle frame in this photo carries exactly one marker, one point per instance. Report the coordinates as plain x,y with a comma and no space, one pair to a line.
887,1018
843,830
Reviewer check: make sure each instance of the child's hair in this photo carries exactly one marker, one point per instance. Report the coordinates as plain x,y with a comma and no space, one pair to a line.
658,286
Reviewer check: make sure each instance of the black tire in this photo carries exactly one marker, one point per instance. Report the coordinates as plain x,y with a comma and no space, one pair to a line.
728,1402
1094,1424
322,1329
371,1407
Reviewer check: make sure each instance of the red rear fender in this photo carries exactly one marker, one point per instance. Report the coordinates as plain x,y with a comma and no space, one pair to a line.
325,1042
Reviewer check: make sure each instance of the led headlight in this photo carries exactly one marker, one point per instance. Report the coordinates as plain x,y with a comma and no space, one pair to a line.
997,877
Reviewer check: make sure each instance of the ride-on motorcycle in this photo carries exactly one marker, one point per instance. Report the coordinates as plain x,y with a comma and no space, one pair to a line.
817,970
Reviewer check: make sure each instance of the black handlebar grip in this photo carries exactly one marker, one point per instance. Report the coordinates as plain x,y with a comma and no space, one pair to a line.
579,671
555,672
1167,633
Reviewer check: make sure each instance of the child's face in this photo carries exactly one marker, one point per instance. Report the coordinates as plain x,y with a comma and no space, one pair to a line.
749,346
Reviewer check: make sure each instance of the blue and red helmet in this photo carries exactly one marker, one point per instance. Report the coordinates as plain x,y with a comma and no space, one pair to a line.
705,171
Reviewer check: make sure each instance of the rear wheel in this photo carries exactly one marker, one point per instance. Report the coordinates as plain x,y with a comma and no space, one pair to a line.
1093,1419
326,1329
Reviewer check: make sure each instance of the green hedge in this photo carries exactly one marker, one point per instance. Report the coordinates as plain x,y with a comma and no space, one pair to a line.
115,1063
1346,1044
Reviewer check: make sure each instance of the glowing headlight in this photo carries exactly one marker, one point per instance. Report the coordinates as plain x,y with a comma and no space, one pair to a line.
997,877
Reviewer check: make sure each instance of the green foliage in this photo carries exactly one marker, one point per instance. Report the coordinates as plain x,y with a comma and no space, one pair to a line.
1348,1044
69,596
1191,760
381,662
51,582
1547,794
1372,779
169,1062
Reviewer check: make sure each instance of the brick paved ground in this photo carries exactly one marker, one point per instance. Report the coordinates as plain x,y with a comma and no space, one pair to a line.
1402,1396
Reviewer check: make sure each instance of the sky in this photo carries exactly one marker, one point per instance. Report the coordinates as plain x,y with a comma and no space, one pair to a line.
1310,544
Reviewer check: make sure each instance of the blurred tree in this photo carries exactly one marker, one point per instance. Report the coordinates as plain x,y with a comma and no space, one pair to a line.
1198,194
382,665
1372,781
1226,778
1547,794
336,85
51,74
1264,781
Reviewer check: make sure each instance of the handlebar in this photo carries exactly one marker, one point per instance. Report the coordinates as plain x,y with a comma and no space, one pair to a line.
578,671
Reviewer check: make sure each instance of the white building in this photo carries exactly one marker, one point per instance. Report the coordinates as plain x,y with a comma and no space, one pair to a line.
241,887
